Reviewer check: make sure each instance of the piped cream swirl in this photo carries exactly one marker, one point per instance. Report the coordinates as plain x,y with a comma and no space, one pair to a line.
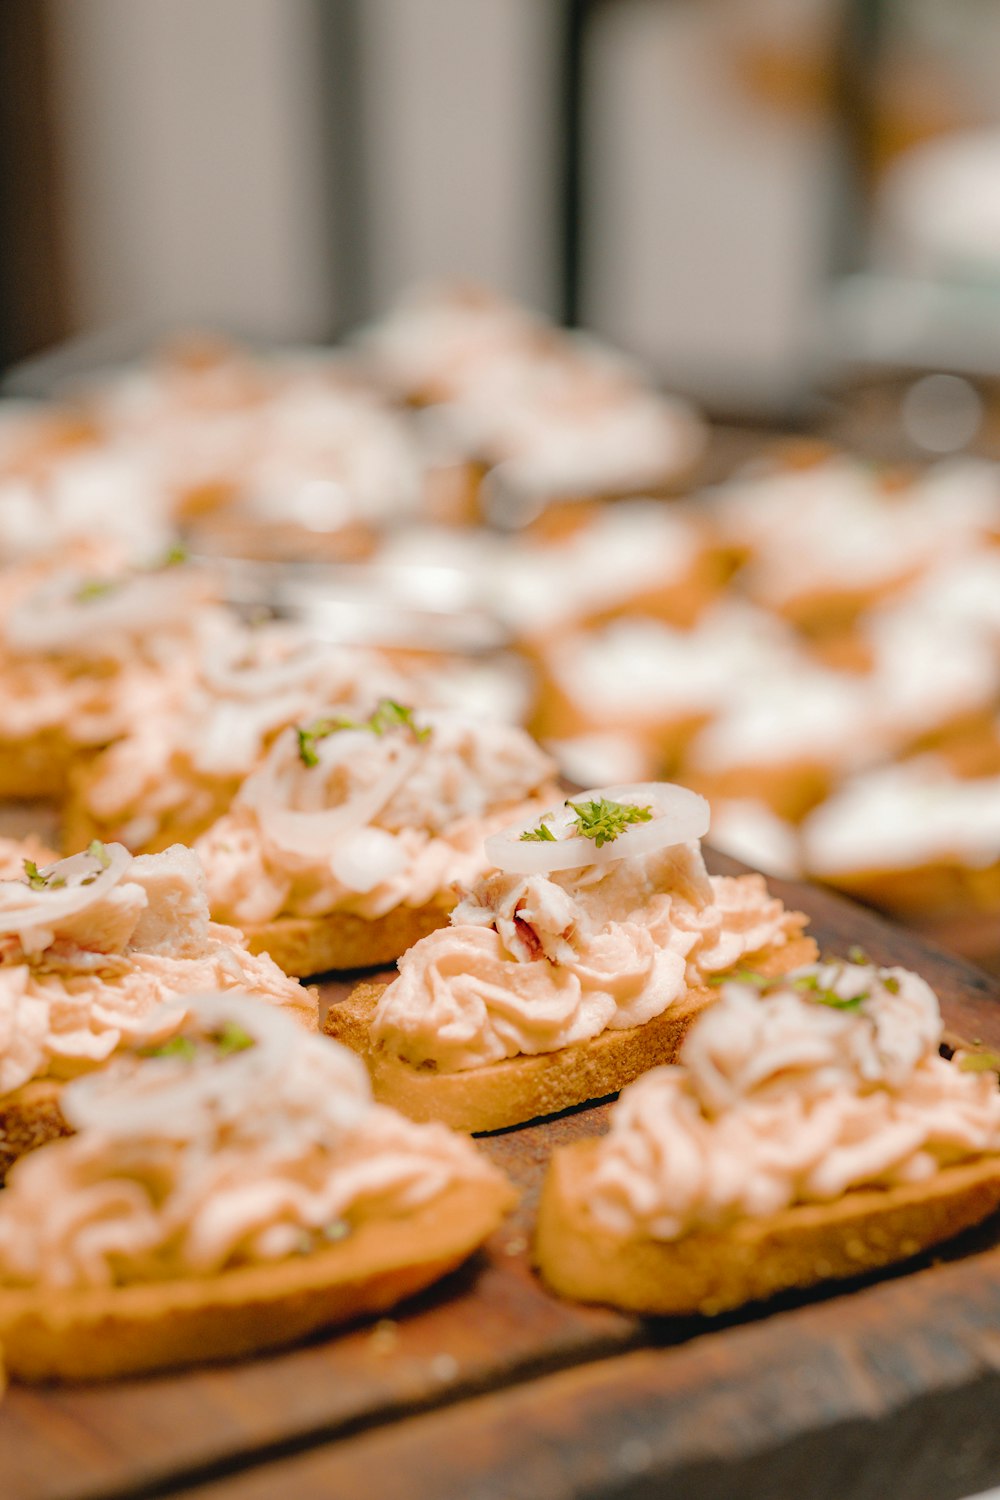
830,1082
257,1143
531,964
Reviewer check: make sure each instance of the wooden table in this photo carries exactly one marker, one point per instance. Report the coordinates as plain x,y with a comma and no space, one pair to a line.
488,1388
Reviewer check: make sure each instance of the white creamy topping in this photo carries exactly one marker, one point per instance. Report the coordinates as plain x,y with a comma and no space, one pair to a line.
88,493
900,817
839,525
324,455
634,546
927,671
961,592
257,1143
531,964
805,713
828,1082
655,672
750,831
436,335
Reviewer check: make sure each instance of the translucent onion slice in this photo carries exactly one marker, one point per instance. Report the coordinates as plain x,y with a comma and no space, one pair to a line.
278,788
679,817
178,1098
242,669
60,616
22,908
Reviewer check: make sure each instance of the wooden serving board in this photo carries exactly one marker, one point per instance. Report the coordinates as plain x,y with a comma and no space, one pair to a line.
489,1388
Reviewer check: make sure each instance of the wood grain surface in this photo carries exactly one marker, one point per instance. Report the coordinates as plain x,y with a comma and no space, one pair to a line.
489,1388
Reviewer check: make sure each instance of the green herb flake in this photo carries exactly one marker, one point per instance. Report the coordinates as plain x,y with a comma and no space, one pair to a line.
540,835
837,1002
230,1038
97,851
337,1229
857,955
175,554
744,976
95,588
604,821
34,876
388,715
979,1062
183,1047
891,983
38,880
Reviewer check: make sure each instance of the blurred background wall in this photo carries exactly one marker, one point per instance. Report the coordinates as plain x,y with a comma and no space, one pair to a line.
283,167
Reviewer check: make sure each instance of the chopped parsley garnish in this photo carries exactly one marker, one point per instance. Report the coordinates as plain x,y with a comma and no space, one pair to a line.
176,1046
388,715
807,984
96,850
857,955
744,976
39,881
603,821
95,588
231,1038
540,835
979,1062
838,1002
891,983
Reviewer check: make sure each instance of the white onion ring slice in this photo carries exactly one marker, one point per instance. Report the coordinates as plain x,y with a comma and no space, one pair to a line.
22,908
314,834
241,670
173,1099
54,618
679,817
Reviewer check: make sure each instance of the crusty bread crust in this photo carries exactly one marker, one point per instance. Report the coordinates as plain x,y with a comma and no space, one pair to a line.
39,765
711,1270
101,1333
304,946
790,789
29,1117
525,1087
935,889
79,824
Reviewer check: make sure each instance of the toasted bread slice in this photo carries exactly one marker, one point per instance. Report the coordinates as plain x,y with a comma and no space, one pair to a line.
29,1117
304,946
39,764
522,1088
209,798
100,1333
711,1270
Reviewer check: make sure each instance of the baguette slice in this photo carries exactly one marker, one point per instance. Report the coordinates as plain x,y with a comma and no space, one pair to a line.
39,764
304,946
712,1270
525,1087
101,1333
30,1116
